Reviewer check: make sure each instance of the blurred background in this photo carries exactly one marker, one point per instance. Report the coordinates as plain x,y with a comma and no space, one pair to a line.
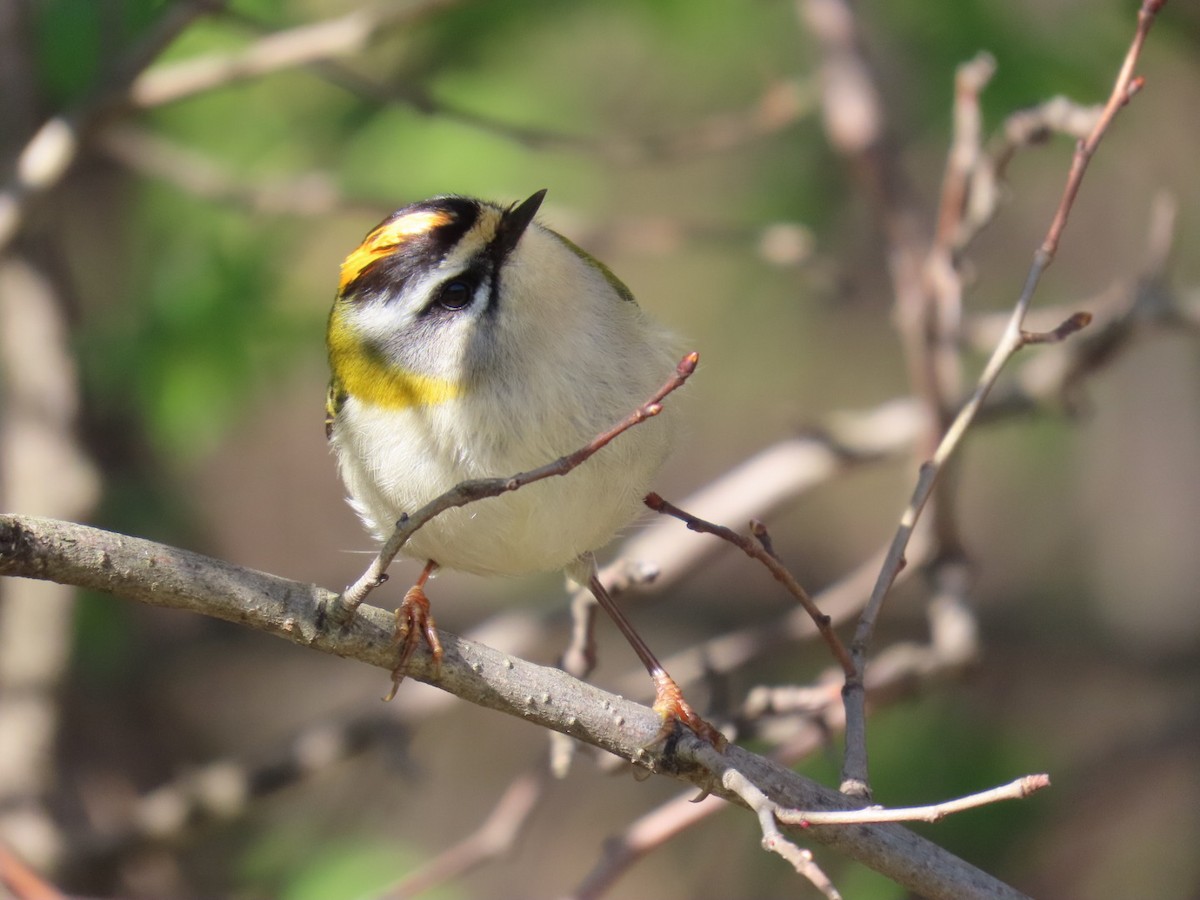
164,293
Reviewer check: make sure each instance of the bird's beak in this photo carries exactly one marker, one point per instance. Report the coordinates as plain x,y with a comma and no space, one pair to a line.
514,223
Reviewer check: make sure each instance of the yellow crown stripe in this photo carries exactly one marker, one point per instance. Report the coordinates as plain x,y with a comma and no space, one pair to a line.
386,238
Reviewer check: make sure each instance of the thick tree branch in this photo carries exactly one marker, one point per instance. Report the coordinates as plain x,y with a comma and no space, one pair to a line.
160,575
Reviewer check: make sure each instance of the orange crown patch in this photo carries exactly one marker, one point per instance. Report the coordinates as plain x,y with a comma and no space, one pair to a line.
386,238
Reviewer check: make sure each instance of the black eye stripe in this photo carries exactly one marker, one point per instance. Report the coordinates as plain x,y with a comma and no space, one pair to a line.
453,294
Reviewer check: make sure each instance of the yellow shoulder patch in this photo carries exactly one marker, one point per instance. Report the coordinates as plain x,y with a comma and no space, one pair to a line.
360,371
371,381
386,238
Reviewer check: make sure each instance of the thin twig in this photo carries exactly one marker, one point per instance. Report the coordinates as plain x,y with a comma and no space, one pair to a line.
478,489
773,839
759,550
855,779
495,837
1014,790
895,675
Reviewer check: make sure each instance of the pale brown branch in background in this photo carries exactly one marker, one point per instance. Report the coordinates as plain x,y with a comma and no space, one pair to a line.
855,778
965,154
43,469
495,837
277,51
1025,127
943,284
56,145
152,156
782,103
226,789
20,882
856,127
643,836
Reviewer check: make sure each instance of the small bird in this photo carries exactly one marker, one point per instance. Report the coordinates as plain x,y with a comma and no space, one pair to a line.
468,341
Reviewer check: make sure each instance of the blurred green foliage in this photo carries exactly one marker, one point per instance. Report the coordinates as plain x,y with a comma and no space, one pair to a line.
79,42
194,314
203,312
283,865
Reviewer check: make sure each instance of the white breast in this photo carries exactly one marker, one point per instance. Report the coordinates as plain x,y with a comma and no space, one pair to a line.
418,453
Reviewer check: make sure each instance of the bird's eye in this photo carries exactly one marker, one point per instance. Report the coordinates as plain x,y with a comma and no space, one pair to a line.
454,294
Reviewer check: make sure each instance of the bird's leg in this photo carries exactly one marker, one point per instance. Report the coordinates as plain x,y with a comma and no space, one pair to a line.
414,622
669,702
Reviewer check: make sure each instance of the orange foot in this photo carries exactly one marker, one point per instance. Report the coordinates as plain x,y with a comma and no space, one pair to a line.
414,623
672,707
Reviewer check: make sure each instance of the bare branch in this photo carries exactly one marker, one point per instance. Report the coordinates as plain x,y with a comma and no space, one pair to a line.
159,575
53,149
760,550
21,882
772,838
495,837
1014,790
278,50
44,469
782,103
854,771
894,676
153,156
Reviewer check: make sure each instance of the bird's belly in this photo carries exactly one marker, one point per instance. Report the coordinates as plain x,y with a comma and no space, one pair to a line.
543,526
